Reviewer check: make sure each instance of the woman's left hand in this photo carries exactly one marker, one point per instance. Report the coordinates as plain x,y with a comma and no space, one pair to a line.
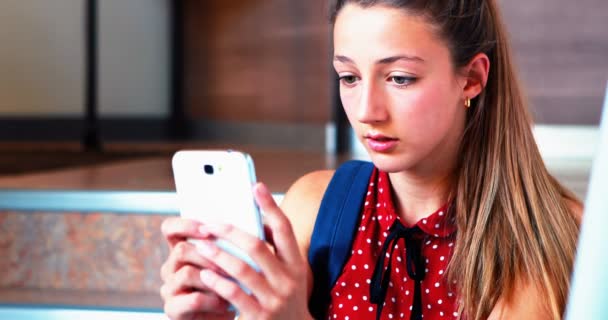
279,290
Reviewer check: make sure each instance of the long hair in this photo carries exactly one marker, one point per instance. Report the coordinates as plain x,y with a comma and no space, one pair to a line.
514,222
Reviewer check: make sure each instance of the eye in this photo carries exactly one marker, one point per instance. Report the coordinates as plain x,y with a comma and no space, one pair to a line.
349,79
402,80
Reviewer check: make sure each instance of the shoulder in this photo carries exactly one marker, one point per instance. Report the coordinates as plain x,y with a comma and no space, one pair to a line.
301,206
302,201
576,209
309,187
526,302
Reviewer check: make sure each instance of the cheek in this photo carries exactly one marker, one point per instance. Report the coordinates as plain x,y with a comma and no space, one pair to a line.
350,102
425,113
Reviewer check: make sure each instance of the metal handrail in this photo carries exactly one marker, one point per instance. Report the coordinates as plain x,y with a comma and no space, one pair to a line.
114,201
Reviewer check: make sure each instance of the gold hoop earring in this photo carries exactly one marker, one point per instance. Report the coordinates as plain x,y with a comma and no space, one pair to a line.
467,102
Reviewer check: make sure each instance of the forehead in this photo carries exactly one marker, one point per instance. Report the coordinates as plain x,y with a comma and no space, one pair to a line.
378,30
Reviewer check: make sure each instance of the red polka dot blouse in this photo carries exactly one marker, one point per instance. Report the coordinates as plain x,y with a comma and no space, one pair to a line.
408,280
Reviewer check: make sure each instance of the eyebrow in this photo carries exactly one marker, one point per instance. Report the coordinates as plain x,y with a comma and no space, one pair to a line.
387,60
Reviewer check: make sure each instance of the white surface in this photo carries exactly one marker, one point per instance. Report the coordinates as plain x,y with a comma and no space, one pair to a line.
589,292
23,313
224,197
42,57
567,142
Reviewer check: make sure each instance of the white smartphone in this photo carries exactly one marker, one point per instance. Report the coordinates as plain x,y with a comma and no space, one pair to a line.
216,187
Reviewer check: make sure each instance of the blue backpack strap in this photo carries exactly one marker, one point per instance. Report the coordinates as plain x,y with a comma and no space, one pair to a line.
334,230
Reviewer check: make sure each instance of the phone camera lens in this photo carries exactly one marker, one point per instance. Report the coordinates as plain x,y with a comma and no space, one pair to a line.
208,169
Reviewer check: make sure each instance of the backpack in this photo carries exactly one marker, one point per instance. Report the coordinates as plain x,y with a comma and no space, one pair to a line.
334,230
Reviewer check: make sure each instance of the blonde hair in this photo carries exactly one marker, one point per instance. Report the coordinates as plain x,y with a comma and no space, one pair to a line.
513,218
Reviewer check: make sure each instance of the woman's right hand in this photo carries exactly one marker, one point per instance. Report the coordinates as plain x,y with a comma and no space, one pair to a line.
184,295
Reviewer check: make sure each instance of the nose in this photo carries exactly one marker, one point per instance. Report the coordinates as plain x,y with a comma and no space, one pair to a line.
372,104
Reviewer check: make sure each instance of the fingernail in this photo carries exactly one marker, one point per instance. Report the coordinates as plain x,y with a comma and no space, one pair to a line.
206,248
263,188
206,276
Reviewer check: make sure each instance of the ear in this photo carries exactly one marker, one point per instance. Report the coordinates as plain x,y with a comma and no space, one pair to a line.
476,76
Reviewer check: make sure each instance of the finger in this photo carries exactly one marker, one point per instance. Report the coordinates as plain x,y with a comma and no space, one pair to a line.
230,291
236,268
283,236
209,305
184,253
269,237
184,280
176,229
259,251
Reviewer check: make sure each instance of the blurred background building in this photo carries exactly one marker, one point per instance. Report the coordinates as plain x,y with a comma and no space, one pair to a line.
238,70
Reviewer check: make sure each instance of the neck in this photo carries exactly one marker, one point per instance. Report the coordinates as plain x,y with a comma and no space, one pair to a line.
418,196
420,190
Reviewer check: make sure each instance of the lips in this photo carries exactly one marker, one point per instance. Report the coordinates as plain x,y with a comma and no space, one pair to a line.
380,143
379,137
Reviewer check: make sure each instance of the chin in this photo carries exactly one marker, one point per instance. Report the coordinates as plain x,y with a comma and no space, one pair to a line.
390,162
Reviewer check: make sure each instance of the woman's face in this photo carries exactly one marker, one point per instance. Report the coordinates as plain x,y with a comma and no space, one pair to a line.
399,88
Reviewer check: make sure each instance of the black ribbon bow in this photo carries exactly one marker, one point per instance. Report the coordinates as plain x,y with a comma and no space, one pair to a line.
414,262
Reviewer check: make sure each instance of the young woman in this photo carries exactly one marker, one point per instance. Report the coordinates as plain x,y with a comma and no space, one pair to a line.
430,90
